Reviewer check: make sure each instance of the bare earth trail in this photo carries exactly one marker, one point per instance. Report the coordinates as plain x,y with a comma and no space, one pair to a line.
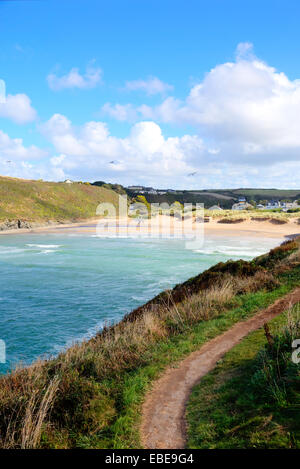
163,416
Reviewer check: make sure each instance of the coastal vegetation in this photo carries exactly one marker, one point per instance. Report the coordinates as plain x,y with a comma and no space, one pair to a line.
255,215
224,197
90,396
251,398
30,203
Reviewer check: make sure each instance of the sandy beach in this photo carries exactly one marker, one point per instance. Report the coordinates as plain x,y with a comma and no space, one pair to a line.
164,226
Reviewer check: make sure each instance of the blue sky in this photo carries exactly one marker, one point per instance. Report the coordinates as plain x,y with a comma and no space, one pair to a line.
148,92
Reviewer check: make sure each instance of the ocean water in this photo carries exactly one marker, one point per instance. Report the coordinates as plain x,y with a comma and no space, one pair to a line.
56,289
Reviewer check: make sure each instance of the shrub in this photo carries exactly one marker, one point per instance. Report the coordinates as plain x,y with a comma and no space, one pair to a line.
231,220
277,378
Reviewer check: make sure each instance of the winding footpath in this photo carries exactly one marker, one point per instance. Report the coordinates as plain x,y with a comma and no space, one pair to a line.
163,416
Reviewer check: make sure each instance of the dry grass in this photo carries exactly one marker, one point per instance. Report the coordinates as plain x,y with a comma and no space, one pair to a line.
40,201
72,391
26,398
36,413
256,215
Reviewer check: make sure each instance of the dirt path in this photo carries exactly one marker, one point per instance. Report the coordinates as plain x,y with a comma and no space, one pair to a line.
163,418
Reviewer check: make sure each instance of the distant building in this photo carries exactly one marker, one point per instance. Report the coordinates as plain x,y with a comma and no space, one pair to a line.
241,206
135,188
289,205
215,207
273,204
68,181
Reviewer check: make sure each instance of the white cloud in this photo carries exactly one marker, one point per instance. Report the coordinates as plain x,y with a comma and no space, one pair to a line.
247,110
87,151
151,86
14,149
244,51
120,112
90,79
145,156
245,116
30,162
18,109
2,91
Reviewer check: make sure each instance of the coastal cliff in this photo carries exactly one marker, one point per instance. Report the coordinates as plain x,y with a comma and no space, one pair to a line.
90,396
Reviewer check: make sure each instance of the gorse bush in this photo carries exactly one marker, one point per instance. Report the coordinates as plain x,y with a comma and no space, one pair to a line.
278,254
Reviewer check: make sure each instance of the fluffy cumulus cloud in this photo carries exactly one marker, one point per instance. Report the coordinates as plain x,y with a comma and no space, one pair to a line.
246,132
91,152
14,149
247,109
90,79
22,161
151,86
247,103
17,108
146,156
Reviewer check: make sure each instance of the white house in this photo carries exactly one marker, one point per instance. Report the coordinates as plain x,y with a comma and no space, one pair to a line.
68,181
215,207
273,204
241,206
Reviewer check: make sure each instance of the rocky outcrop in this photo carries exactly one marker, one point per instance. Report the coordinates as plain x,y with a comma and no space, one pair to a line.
19,224
14,225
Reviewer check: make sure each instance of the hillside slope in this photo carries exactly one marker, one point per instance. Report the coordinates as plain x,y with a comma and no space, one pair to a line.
225,197
91,395
29,200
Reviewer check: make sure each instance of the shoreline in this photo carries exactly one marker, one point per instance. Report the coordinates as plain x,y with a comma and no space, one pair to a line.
165,227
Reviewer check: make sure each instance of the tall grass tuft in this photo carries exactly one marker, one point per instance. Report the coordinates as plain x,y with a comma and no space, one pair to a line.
79,392
277,378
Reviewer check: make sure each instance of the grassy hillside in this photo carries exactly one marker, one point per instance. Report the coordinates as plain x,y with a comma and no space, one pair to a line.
90,396
225,197
40,201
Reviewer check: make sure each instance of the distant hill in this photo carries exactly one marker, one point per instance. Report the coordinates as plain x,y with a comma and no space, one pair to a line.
40,201
225,197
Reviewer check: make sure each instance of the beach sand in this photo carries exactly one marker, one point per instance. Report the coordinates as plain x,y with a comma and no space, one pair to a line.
165,226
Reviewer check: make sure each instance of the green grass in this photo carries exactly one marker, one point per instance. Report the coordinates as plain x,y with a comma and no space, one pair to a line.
128,390
233,407
40,201
257,215
224,197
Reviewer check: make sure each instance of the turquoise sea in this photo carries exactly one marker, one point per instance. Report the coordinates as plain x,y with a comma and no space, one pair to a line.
59,288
